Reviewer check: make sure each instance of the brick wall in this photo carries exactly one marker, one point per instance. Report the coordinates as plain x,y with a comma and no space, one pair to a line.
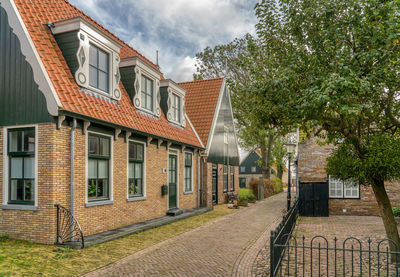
54,187
312,163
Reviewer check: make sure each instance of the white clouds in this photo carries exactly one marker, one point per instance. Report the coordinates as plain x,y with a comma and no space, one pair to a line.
177,28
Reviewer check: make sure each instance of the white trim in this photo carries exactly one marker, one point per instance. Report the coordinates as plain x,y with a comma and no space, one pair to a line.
194,130
173,152
28,49
144,196
184,172
215,117
6,167
111,171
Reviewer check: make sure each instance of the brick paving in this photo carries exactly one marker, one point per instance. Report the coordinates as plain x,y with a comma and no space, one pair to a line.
224,247
341,227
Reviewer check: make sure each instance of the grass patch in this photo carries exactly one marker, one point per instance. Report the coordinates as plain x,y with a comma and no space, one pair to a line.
21,258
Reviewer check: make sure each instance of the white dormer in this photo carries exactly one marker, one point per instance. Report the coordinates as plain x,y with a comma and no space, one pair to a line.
96,67
146,96
173,102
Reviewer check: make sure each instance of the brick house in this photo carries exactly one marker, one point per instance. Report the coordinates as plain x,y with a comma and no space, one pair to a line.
208,104
343,198
89,123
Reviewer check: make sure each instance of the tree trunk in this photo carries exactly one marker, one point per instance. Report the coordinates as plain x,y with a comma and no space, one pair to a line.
266,149
386,212
279,171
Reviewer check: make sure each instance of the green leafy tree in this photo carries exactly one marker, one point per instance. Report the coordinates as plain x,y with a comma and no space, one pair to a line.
341,60
249,70
278,155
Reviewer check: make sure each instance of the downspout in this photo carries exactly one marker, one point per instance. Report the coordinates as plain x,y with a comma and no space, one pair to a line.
73,165
197,180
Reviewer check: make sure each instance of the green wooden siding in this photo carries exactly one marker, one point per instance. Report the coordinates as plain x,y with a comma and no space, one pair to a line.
128,79
69,45
253,159
21,101
218,152
164,99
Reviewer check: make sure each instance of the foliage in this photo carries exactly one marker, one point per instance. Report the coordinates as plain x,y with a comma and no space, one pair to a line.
278,156
380,159
242,201
244,192
277,184
342,64
396,211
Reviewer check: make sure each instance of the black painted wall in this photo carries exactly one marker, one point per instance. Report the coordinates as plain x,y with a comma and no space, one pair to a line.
221,153
253,159
21,101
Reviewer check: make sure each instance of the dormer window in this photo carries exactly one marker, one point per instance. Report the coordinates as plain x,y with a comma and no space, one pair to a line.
176,108
147,94
91,54
173,102
99,69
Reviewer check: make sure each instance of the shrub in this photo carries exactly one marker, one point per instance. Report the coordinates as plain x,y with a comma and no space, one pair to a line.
396,211
254,186
277,184
245,192
242,201
252,198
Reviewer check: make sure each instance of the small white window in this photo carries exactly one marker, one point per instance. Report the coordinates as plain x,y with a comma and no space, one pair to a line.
253,169
147,93
176,108
242,169
340,189
99,69
188,172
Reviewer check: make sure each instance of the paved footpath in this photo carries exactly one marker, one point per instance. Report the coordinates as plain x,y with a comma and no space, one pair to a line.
227,246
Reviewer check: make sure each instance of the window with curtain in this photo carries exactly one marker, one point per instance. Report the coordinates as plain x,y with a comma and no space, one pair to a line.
21,155
98,167
136,169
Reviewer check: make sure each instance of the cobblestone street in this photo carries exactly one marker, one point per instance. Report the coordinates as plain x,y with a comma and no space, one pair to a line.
225,247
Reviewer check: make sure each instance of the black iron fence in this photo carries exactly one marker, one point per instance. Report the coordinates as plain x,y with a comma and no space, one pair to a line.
69,231
281,236
336,257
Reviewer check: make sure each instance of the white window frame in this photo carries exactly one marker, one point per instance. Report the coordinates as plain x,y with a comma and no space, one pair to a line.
144,75
110,68
111,172
5,205
253,169
179,109
342,195
184,173
136,198
242,169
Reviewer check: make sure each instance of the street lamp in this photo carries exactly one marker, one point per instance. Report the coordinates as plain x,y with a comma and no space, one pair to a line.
290,147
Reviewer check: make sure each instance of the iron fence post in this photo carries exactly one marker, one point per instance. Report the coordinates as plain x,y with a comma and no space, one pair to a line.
271,255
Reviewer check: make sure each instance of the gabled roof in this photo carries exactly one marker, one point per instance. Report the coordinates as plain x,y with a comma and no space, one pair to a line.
201,104
35,16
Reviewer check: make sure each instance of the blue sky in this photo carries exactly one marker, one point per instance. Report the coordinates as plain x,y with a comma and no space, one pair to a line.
177,28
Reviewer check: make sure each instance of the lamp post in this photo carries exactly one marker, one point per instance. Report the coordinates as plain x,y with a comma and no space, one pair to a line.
290,146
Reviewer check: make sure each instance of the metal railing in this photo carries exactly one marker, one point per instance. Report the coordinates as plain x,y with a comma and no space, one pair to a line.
280,236
69,231
347,257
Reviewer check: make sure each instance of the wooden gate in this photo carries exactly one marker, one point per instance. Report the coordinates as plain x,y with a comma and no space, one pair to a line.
314,199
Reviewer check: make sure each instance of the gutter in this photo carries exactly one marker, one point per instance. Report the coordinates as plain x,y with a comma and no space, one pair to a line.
197,180
73,165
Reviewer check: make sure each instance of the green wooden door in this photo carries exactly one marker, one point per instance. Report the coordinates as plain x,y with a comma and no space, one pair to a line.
242,182
172,181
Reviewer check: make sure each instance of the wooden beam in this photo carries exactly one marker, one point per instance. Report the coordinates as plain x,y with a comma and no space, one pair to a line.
127,135
116,134
160,141
60,121
149,139
86,125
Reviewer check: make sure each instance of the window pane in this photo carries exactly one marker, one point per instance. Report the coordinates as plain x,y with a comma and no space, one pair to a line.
17,190
29,190
143,103
29,140
149,102
92,170
93,55
103,81
139,152
143,84
29,168
131,170
93,145
92,188
131,150
104,147
93,82
139,190
16,168
15,141
103,61
103,169
138,170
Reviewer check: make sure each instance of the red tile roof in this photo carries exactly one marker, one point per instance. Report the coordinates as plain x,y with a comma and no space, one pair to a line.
201,103
36,14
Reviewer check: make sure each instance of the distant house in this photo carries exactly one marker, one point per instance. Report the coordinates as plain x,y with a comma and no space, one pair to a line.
250,169
208,105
